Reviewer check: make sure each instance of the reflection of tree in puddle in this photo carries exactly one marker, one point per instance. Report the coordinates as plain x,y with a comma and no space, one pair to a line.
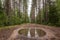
32,32
41,32
23,32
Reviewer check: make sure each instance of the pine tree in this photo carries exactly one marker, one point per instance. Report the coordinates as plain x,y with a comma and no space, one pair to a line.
58,8
38,17
0,4
53,15
32,15
2,16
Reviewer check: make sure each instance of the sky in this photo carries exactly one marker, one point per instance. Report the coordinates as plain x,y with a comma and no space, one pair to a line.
29,6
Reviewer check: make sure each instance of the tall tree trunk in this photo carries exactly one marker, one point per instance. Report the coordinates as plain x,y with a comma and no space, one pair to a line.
13,7
25,10
32,15
19,9
8,9
46,11
0,4
38,18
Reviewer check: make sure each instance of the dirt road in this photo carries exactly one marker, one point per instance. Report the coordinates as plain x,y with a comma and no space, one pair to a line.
10,34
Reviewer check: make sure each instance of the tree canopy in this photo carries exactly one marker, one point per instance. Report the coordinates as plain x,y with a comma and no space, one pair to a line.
13,12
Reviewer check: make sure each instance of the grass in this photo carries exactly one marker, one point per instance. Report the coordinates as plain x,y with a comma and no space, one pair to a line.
6,27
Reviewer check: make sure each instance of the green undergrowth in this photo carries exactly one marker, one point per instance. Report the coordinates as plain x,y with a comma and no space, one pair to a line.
6,27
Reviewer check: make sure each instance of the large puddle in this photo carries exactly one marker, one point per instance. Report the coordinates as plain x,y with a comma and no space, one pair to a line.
32,32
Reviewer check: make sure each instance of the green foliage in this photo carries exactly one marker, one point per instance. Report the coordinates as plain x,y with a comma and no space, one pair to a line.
2,16
38,18
53,15
14,20
22,17
2,19
58,8
0,4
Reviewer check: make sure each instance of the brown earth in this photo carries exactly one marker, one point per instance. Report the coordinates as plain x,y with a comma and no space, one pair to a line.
6,33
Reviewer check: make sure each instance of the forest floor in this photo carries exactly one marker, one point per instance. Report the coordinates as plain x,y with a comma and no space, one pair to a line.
6,33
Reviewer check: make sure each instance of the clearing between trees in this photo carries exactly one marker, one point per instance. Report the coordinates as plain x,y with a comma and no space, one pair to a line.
10,33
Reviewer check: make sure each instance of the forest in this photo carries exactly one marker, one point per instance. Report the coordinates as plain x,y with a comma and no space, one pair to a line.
29,19
16,12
